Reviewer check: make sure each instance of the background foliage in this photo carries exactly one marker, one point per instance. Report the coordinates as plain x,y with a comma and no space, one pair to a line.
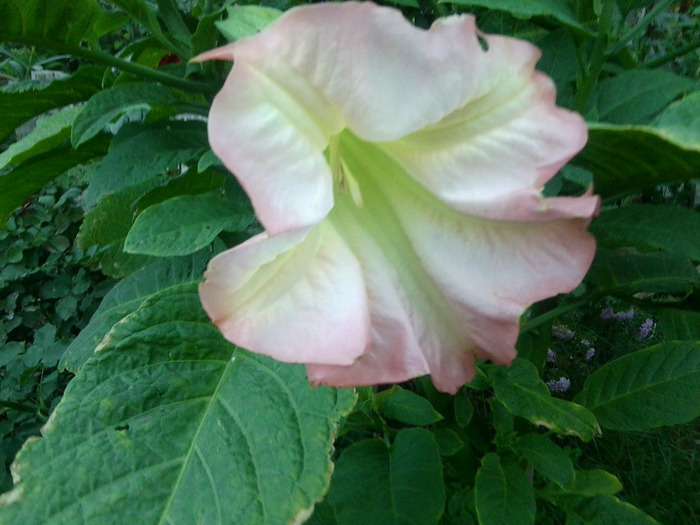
162,421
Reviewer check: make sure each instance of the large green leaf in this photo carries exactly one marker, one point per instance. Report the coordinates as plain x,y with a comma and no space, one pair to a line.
559,62
631,158
104,106
145,153
679,324
407,407
629,273
29,177
681,121
525,8
546,458
50,131
634,97
185,224
593,483
16,107
603,510
656,386
47,23
520,389
106,227
128,295
246,20
170,423
646,227
502,493
399,485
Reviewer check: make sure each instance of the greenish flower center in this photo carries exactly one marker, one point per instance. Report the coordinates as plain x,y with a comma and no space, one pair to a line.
343,179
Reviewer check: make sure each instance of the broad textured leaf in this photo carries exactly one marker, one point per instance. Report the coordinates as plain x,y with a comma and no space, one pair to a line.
502,493
16,107
634,97
681,121
171,424
525,8
604,510
128,295
247,20
520,389
546,458
408,407
448,441
559,62
189,183
47,23
206,36
593,483
629,273
28,178
656,386
463,408
169,12
679,324
50,131
378,485
633,158
107,225
646,227
185,224
106,105
145,153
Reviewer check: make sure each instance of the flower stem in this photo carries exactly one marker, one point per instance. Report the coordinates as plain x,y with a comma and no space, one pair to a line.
595,64
100,57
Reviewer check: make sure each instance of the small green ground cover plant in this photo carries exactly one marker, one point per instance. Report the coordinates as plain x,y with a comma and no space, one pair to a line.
113,205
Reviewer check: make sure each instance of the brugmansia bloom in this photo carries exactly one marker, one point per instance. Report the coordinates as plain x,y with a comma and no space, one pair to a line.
397,173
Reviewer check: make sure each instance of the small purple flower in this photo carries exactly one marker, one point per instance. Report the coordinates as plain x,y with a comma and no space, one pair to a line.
625,316
551,356
645,329
586,342
590,354
608,314
559,385
562,333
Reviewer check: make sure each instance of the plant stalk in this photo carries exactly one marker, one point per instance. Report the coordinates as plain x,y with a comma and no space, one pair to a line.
595,64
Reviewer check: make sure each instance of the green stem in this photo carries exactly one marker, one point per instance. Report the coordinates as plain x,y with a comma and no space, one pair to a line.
691,46
100,57
142,71
639,28
597,56
556,312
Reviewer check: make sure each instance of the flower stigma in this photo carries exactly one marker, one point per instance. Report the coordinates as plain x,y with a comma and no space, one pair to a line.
343,178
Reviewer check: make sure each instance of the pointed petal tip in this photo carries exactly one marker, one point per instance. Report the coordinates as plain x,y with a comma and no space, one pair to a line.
219,53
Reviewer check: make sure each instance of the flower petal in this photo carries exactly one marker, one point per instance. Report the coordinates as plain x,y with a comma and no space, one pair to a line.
318,69
492,157
271,135
298,297
460,283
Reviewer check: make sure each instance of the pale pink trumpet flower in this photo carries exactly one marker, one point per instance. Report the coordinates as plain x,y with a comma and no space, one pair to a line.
397,173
